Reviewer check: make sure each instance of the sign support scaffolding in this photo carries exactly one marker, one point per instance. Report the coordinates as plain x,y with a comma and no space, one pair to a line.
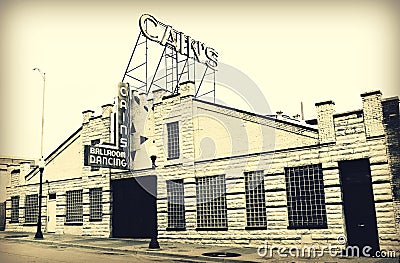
171,69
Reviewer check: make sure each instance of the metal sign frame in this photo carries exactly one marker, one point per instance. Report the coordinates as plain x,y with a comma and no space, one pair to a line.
182,59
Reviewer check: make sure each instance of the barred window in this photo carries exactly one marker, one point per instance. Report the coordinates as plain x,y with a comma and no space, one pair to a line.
211,202
176,204
255,199
14,209
173,140
306,197
31,208
74,206
96,207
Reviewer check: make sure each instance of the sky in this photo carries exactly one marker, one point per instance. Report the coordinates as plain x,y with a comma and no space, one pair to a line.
295,51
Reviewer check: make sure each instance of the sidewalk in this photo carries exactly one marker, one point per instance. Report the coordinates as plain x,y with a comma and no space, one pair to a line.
172,250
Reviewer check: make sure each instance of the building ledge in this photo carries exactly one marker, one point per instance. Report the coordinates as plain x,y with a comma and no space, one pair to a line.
29,224
95,220
170,96
173,164
73,223
211,229
175,229
375,137
307,227
256,227
370,93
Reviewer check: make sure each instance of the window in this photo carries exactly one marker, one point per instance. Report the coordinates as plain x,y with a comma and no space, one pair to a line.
176,204
14,209
74,206
255,199
173,140
31,208
211,202
306,197
96,208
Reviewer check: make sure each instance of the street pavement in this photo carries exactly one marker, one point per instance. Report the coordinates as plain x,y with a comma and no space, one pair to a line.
22,247
12,251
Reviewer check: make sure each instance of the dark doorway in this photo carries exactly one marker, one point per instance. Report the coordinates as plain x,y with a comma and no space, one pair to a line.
2,216
134,207
359,207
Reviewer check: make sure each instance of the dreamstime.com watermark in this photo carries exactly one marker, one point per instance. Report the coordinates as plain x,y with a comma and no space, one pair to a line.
317,251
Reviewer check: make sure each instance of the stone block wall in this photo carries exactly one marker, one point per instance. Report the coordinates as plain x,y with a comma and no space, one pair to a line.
326,127
369,133
350,136
59,187
257,133
93,127
373,117
391,122
96,128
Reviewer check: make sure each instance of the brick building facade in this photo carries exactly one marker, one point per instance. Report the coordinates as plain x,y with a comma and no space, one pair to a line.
225,176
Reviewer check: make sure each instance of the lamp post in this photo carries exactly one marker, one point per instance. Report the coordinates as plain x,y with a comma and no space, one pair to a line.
153,156
39,234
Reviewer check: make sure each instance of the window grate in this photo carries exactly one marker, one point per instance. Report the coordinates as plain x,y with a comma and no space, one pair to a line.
31,208
306,197
173,140
176,204
74,206
15,209
211,202
95,199
255,199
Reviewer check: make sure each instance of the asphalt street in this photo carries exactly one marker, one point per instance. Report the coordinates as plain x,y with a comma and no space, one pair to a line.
22,247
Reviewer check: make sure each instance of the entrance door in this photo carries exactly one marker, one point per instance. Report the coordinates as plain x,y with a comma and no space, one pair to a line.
359,207
134,207
51,214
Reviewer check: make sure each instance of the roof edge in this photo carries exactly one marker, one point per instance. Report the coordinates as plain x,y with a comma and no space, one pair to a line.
34,170
259,115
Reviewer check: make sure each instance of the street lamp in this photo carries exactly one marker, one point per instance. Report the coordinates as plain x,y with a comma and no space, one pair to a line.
39,234
153,156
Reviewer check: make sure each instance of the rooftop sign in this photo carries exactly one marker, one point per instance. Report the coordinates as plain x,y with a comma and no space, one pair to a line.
165,35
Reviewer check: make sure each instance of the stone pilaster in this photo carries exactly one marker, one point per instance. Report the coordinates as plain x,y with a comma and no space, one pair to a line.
373,116
326,127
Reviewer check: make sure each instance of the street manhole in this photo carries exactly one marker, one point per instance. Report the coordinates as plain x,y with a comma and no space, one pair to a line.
112,253
221,254
57,246
16,236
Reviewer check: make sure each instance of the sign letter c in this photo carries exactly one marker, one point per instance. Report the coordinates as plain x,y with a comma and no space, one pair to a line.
142,25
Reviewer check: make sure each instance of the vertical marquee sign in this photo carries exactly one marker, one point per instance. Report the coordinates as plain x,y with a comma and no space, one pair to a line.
114,155
123,121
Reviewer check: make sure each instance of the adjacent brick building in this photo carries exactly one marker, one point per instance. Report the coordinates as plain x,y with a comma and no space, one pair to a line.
225,176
